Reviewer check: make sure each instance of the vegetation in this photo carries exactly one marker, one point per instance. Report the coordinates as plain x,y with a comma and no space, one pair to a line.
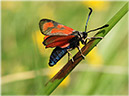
25,68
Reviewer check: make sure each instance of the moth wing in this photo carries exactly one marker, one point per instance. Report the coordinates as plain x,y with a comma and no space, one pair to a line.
52,28
60,41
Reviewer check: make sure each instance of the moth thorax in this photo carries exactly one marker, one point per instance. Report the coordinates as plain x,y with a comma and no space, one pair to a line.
80,35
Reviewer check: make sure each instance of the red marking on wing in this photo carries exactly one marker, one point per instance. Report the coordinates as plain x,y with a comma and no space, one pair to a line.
68,28
65,45
59,44
47,25
62,29
54,41
60,26
46,37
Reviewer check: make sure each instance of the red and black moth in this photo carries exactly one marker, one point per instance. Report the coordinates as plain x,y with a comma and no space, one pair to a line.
64,38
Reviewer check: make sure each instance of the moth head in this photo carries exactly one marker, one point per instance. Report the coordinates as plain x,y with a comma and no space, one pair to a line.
83,39
84,35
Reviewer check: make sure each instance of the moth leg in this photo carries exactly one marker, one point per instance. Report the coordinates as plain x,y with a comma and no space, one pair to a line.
83,56
84,41
69,55
94,37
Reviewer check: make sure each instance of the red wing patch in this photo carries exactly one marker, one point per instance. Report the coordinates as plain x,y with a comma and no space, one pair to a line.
52,28
47,25
60,41
59,44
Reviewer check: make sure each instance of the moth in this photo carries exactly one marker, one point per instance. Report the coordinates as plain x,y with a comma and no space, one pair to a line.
64,38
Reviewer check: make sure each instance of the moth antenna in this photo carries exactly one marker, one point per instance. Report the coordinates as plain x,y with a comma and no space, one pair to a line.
88,18
98,28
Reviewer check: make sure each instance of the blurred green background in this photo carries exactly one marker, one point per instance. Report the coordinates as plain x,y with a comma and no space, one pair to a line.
25,67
